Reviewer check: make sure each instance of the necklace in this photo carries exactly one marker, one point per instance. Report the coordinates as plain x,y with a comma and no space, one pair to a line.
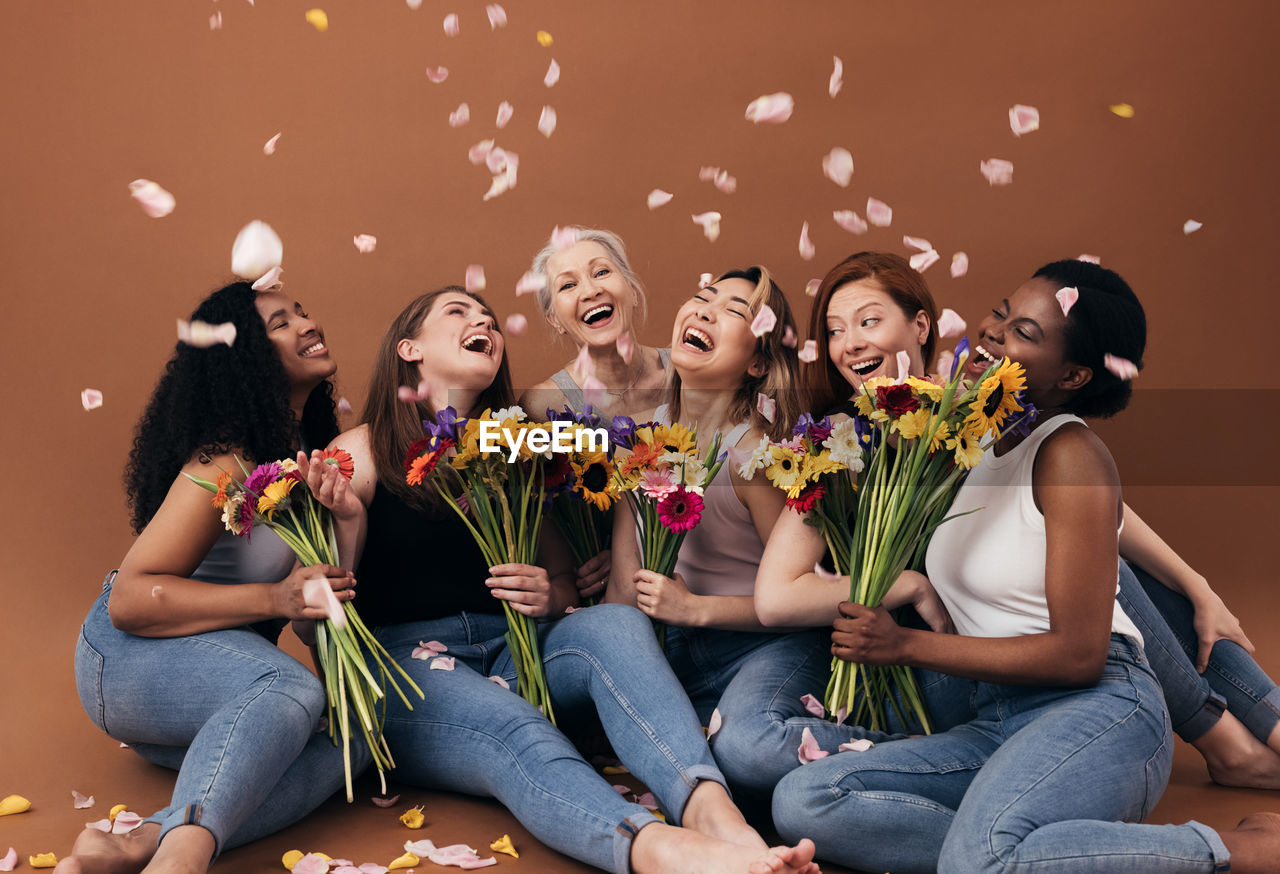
640,374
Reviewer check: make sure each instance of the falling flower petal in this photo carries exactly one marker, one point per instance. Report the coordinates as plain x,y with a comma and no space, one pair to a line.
500,681
593,390
809,353
381,801
563,238
437,74
444,663
789,337
1023,119
316,592
658,197
460,116
861,745
710,223
959,265
922,261
903,361
408,860
945,359
1067,298
811,287
547,121
269,147
412,395
825,574
474,281
544,39
515,325
344,407
814,706
102,825
809,750
850,221
42,860
317,19
766,406
1123,110
837,165
836,82
215,23
764,322
553,74
497,16
154,200
451,24
704,279
997,171
879,213
806,245
90,399
365,243
413,4
1092,259
529,283
626,346
504,845
257,249
1190,226
771,108
1123,368
413,818
583,366
125,822
918,243
724,182
647,800
950,324
311,863
81,801
14,804
505,111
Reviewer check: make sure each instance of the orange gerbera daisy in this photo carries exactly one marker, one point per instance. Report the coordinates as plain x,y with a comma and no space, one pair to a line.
342,460
224,480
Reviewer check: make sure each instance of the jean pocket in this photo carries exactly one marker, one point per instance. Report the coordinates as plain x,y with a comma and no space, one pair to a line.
89,681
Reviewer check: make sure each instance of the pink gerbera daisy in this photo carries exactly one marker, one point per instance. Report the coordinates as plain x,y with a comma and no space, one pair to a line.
680,510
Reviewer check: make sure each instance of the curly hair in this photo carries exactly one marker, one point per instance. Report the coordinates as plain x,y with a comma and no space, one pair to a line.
220,399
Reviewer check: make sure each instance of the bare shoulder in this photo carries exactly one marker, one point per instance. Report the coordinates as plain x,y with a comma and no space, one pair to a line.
356,443
1075,455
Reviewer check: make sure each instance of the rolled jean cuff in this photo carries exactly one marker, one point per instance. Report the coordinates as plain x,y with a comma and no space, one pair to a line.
1205,717
677,795
1221,857
624,836
1263,716
190,814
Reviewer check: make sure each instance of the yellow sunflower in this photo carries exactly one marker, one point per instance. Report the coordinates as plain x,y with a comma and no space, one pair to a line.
675,438
925,389
593,479
816,464
913,424
785,468
967,444
468,444
273,494
940,437
997,397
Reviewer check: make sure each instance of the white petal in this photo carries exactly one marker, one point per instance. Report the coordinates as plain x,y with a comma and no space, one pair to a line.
547,121
997,171
79,801
1190,226
1092,259
836,82
789,337
154,200
710,224
764,322
1121,367
256,250
437,74
269,147
505,111
806,245
497,16
809,353
950,324
479,153
838,166
203,335
918,243
879,213
460,116
658,197
704,279
563,238
861,745
771,108
365,243
766,406
713,725
959,265
922,261
553,74
269,280
215,23
474,281
811,287
850,221
451,24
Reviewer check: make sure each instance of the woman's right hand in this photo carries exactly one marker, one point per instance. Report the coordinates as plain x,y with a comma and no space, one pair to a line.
594,574
329,486
289,600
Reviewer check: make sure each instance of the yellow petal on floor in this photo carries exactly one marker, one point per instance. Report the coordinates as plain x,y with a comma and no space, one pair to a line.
14,804
544,38
117,809
615,769
291,858
504,845
408,860
318,19
1123,110
42,860
413,817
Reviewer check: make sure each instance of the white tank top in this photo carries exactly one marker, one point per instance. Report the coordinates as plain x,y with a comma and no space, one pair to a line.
988,567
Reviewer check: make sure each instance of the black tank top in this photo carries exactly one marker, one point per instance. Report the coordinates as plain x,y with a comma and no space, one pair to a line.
419,565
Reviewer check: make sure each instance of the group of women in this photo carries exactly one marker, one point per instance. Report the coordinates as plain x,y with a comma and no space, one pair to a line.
1053,671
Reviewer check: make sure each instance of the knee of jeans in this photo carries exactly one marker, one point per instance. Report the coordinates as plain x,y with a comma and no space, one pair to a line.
607,624
296,683
744,748
965,854
800,802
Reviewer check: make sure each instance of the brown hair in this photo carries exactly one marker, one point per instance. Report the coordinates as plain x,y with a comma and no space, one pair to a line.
781,377
824,386
393,424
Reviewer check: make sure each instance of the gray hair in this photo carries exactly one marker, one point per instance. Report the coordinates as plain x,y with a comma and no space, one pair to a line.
617,252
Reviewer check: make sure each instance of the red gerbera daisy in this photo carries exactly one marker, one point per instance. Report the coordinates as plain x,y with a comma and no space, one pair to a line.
415,449
805,501
895,400
681,510
342,460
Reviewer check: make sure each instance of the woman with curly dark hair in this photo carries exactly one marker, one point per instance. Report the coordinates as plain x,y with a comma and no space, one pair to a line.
177,658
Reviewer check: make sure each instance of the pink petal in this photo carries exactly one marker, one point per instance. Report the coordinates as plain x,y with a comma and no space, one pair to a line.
451,24
345,869
814,706
1067,298
704,279
435,646
154,200
959,265
80,801
500,184
269,147
922,261
459,855
529,283
269,280
710,224
836,82
1190,226
789,337
91,399
583,366
626,346
422,653
414,395
372,868
344,406
841,715
316,592
766,406
997,171
1123,368
311,863
809,750
647,800
837,166
553,74
474,281
125,822
202,335
437,74
563,238
809,353
365,243
593,390
413,4
771,108
505,111
825,574
497,16
706,174
215,23
764,322
850,221
950,324
381,801
621,790
460,116
861,745
479,153
918,243
547,121
806,245
724,182
713,724
443,663
903,360
879,213
256,251
421,848
1092,259
102,825
945,359
811,287
501,682
1023,119
515,325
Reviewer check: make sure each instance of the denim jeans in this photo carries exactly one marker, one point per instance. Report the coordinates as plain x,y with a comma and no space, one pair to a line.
471,735
1233,680
1042,780
232,713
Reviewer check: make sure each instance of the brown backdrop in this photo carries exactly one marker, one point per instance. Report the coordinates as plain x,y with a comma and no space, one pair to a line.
98,94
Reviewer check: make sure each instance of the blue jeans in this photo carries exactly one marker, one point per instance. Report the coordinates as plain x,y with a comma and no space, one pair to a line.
1233,680
1043,779
471,735
233,714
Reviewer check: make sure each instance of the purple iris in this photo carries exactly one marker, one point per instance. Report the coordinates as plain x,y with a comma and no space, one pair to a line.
962,348
621,430
1027,418
446,424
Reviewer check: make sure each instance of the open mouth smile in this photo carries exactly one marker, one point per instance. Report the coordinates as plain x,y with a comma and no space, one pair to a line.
480,343
598,315
698,341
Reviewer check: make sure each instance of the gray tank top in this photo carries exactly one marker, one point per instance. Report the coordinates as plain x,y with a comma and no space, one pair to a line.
260,558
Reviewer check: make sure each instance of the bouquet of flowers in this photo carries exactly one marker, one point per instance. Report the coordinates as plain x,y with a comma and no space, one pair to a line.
274,494
498,494
663,478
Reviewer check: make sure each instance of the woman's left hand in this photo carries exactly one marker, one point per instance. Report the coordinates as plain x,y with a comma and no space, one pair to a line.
868,636
1214,622
666,599
593,575
526,587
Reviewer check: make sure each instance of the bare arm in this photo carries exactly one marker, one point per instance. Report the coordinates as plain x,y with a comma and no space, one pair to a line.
788,592
626,556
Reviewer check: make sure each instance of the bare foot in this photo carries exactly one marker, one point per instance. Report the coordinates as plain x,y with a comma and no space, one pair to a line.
187,849
712,812
97,852
664,849
798,859
1236,758
1254,844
